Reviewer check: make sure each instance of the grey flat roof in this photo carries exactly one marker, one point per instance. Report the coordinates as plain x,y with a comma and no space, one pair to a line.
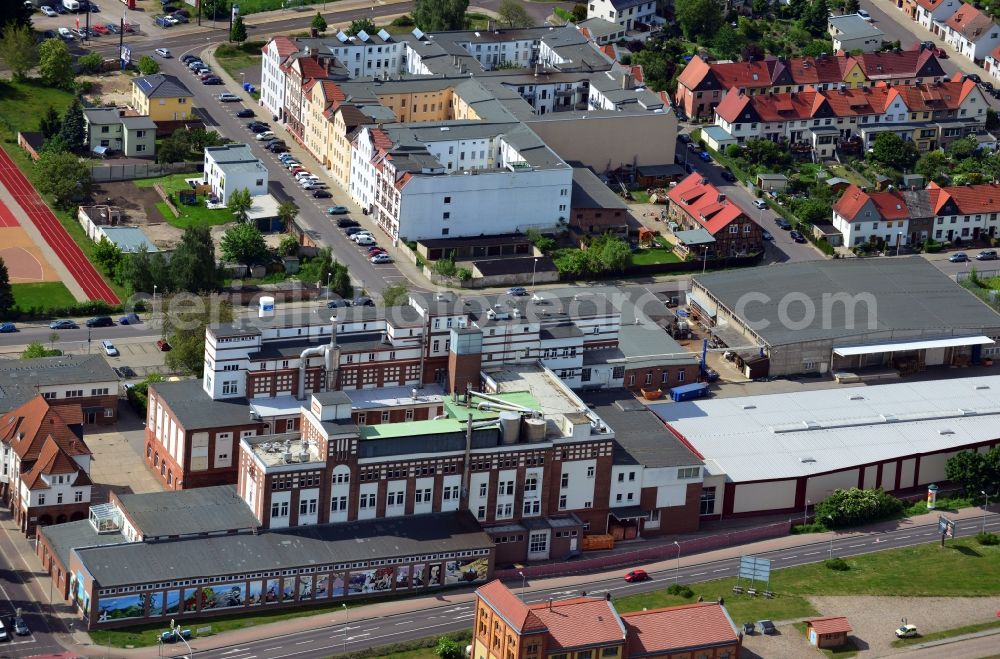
182,512
195,409
307,546
18,377
640,436
64,538
591,192
909,293
650,340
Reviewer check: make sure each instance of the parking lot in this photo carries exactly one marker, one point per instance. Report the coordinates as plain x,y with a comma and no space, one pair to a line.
104,24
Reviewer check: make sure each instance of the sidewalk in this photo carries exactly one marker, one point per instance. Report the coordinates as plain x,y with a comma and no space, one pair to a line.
450,598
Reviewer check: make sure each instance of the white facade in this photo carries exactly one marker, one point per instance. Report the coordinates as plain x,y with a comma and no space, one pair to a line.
491,54
272,80
627,16
363,175
234,167
940,13
974,49
367,55
851,32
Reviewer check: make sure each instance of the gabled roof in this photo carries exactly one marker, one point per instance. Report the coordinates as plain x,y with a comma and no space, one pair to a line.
965,199
930,5
579,622
704,203
970,22
283,45
678,628
509,607
53,460
831,625
26,429
160,85
914,63
888,205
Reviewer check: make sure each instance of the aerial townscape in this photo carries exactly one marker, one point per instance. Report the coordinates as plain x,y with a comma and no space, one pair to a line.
515,329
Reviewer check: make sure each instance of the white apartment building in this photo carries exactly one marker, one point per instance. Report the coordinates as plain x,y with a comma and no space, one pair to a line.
272,78
233,167
368,55
623,12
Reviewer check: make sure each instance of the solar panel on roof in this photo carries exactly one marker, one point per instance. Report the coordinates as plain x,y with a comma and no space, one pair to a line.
342,37
363,35
418,33
384,36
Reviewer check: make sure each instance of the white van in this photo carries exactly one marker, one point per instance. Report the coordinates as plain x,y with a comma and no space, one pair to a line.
71,5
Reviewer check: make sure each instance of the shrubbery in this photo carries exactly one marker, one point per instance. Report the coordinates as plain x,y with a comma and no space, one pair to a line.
681,589
855,506
987,538
838,564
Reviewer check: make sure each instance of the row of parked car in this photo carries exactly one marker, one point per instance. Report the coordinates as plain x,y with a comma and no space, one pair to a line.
58,7
201,70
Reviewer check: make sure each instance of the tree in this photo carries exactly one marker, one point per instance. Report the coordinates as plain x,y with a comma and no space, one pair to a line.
890,150
812,211
659,62
727,42
609,254
73,127
992,120
7,301
851,6
579,12
240,203
63,176
172,149
366,25
107,255
440,15
244,244
319,23
933,166
184,326
975,472
698,19
341,282
512,13
18,49
449,648
148,66
50,123
134,272
192,266
55,64
814,17
962,148
287,212
37,349
215,9
138,396
91,63
396,295
856,506
289,245
239,31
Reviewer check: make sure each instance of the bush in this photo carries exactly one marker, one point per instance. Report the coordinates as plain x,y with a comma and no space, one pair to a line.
856,506
815,527
987,538
837,563
403,21
681,589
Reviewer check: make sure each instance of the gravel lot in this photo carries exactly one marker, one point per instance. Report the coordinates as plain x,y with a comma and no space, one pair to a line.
874,619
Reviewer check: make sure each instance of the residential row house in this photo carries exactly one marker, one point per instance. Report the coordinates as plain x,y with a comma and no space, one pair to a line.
702,85
931,115
697,204
945,214
971,32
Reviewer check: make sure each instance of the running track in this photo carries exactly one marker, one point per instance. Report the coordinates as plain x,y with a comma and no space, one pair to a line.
55,235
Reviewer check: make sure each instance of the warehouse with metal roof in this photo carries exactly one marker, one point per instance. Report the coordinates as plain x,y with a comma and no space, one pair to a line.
855,318
784,452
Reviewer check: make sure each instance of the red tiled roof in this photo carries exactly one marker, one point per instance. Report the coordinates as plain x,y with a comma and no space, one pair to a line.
732,106
703,203
381,139
311,68
967,199
283,45
677,628
694,72
891,64
889,205
508,605
579,622
26,428
970,22
851,202
750,75
819,70
930,5
51,460
832,625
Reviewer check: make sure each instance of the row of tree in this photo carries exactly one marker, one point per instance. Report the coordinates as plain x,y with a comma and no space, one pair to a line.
976,472
192,267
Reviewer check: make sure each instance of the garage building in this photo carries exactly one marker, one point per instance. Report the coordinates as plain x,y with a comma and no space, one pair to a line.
782,453
859,318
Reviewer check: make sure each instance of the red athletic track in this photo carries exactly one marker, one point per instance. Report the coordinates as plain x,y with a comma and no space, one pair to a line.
55,235
7,219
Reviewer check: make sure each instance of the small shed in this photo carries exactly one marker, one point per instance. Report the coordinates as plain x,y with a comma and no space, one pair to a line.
837,184
827,231
772,182
828,632
653,176
694,240
882,182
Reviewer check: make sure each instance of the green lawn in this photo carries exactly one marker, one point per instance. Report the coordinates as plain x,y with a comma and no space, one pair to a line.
22,104
256,6
639,196
654,255
962,569
50,294
235,63
198,215
847,173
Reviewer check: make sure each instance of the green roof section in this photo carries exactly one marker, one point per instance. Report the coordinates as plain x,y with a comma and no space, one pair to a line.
460,411
411,429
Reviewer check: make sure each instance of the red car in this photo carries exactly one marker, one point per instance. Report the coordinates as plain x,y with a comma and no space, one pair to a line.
636,576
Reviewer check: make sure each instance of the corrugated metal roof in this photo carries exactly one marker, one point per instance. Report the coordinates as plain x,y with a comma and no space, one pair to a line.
847,351
778,436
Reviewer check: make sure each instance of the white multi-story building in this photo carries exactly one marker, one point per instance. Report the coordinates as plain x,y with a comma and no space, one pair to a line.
932,13
233,167
626,13
367,55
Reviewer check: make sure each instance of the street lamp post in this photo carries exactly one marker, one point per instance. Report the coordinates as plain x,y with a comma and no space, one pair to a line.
899,241
524,581
677,572
329,276
805,513
534,266
830,517
704,259
985,506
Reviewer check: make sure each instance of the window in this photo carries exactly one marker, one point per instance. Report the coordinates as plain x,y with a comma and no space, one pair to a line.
649,377
59,496
450,493
680,376
396,498
482,489
688,472
423,496
481,513
505,488
229,387
338,504
367,500
531,483
532,507
41,499
279,509
565,481
538,543
707,504
78,496
562,502
590,472
618,372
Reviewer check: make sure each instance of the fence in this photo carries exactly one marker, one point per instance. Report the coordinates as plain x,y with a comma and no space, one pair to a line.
982,274
110,171
652,554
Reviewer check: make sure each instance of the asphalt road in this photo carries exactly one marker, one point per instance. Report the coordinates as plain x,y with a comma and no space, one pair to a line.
18,591
343,636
